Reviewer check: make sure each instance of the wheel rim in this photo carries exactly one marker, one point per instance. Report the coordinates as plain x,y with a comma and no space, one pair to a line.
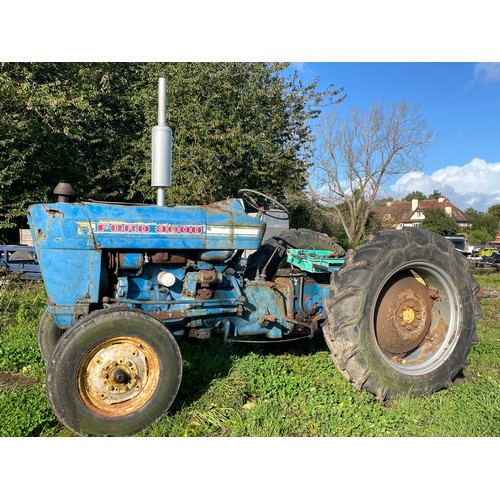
118,376
417,318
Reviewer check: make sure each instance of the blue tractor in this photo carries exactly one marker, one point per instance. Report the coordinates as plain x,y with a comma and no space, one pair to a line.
126,282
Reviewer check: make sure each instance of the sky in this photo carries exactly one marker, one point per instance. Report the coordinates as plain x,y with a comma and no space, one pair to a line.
422,52
460,102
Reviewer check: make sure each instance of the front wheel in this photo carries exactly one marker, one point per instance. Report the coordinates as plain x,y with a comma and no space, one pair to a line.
113,373
401,314
48,334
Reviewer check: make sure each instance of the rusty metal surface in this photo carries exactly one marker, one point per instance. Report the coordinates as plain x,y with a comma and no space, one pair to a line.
196,312
283,289
204,294
404,316
118,377
208,277
437,334
167,258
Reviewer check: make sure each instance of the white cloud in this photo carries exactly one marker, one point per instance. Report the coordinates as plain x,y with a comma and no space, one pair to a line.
476,184
299,66
487,72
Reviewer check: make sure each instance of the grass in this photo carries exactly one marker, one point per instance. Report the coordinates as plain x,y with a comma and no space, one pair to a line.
232,390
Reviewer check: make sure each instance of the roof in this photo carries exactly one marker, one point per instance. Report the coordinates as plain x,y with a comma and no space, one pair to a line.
397,212
497,239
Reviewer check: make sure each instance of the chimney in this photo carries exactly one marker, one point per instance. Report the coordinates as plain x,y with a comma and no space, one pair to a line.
414,205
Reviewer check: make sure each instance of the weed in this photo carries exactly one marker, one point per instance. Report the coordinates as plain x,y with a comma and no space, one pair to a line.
234,391
25,412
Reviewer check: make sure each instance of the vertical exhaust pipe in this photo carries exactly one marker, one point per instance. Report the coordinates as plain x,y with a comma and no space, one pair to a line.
161,159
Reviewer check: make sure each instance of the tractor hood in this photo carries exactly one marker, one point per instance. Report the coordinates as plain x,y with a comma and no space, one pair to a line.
219,226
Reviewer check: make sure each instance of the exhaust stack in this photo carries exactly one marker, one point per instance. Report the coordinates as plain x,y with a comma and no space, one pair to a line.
161,160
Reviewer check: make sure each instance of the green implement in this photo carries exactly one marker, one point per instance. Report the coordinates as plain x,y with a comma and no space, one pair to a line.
314,261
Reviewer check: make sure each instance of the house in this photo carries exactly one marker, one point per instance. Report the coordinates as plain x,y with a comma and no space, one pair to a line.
496,243
400,214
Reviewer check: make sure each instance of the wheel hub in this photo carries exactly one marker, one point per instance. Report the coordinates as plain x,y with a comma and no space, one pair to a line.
404,316
118,376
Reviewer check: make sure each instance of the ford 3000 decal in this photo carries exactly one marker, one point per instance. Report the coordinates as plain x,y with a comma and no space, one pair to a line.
129,227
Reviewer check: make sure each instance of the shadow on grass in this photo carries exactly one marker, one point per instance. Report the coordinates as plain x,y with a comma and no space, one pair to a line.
207,360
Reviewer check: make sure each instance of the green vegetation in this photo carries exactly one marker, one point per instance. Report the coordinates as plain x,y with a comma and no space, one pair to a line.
90,124
418,195
24,408
250,124
235,390
494,210
437,221
484,225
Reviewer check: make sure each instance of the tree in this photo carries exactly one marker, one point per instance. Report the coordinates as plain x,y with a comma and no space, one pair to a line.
418,195
359,153
435,195
483,226
64,122
234,125
437,221
307,213
495,211
478,236
415,195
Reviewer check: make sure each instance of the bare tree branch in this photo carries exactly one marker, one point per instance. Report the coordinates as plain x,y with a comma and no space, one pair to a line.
359,153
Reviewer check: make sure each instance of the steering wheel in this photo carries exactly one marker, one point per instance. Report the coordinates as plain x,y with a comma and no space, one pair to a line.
247,196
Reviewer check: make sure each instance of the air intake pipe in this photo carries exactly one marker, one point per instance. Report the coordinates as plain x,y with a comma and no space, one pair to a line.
161,160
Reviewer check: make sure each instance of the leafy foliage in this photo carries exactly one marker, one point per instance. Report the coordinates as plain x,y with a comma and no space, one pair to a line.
495,211
307,213
234,125
479,236
415,195
21,306
25,412
230,390
437,221
484,225
418,195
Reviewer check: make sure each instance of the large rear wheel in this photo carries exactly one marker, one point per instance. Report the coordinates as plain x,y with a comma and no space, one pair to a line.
113,373
401,314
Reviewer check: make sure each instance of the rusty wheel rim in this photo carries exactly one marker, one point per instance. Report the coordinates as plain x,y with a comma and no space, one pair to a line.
118,376
416,320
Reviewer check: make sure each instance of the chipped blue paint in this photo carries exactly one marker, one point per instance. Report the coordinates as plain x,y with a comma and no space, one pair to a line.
96,254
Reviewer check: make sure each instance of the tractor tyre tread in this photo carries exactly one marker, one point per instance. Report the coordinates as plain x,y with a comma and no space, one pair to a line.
350,300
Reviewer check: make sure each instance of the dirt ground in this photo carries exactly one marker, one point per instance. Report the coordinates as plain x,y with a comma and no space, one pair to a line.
15,381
